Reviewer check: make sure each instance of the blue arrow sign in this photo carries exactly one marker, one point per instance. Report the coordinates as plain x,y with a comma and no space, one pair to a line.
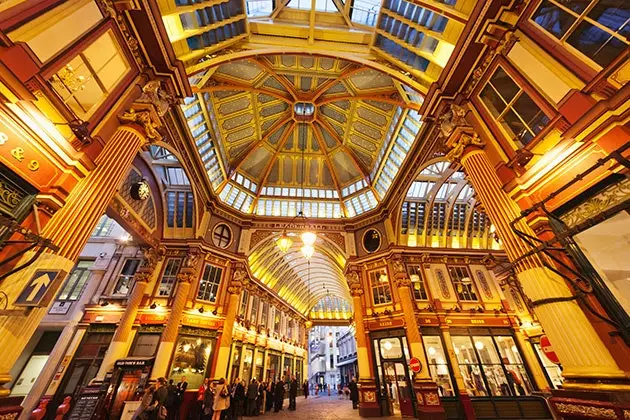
37,287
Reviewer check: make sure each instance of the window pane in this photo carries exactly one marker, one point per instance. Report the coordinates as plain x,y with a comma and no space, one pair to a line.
492,100
596,44
504,85
535,119
553,19
613,14
438,367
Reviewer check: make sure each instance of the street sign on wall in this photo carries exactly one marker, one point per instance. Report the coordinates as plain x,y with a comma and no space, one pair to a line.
37,288
415,365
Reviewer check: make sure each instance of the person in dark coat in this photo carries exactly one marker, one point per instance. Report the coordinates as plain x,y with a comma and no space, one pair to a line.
354,393
269,394
171,398
252,395
305,389
260,400
293,390
278,396
239,398
182,385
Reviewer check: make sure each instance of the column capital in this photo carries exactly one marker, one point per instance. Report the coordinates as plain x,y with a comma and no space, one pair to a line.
462,142
401,277
239,280
145,116
186,275
151,256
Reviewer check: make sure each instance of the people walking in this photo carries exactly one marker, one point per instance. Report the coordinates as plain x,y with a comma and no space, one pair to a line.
161,393
354,393
278,396
221,400
208,401
293,390
305,389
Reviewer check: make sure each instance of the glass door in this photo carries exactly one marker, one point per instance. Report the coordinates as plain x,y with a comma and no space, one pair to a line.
398,388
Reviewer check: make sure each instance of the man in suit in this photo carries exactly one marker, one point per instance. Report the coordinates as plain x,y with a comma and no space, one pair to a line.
293,390
182,385
252,395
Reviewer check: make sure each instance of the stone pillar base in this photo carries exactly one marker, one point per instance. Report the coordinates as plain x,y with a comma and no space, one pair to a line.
467,407
368,399
428,404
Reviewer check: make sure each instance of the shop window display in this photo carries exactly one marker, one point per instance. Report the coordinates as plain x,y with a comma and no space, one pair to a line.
491,366
438,365
191,359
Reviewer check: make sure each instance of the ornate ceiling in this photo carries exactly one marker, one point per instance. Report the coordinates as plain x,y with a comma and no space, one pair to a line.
308,106
341,152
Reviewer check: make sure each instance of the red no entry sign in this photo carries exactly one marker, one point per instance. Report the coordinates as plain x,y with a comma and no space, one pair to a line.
415,365
545,346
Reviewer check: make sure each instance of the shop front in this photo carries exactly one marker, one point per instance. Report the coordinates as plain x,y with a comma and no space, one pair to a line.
393,379
273,368
494,375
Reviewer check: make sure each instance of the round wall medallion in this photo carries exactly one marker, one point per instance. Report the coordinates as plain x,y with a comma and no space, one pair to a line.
140,190
221,235
371,240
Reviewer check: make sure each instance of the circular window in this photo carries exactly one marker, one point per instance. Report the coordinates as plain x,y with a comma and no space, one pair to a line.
222,235
371,240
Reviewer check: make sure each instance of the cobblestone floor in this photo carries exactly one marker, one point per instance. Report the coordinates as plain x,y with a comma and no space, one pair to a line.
316,408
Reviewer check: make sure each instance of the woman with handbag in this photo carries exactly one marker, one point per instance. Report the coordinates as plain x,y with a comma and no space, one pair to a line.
221,399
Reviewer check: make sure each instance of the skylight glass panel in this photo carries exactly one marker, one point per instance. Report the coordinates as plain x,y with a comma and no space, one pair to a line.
300,4
365,12
325,6
259,8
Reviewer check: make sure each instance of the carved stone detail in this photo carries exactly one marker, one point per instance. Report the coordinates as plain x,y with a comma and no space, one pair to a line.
505,45
152,93
458,147
604,200
240,279
354,283
145,120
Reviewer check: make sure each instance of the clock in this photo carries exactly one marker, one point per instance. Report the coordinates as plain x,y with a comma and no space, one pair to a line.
140,190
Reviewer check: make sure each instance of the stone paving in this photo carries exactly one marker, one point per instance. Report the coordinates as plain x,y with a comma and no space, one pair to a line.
315,408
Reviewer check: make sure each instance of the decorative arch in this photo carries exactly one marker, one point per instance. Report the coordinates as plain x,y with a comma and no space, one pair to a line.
207,65
440,210
303,283
179,198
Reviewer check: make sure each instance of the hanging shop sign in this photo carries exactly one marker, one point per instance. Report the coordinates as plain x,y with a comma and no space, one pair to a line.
545,346
415,365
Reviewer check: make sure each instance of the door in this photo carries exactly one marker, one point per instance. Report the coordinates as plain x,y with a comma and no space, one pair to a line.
398,389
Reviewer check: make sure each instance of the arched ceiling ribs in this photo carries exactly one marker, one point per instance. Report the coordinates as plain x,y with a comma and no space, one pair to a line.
377,98
347,73
245,88
333,174
245,154
365,173
273,158
290,88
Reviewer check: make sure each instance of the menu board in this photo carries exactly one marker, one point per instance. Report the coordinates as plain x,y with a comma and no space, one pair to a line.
86,404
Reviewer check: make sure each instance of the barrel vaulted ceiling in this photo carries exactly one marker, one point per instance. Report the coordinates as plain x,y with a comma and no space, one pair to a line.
308,106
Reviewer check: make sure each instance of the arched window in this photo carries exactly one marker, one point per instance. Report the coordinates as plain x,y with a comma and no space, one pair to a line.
440,210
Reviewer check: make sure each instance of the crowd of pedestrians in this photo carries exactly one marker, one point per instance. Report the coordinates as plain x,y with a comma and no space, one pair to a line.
223,401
